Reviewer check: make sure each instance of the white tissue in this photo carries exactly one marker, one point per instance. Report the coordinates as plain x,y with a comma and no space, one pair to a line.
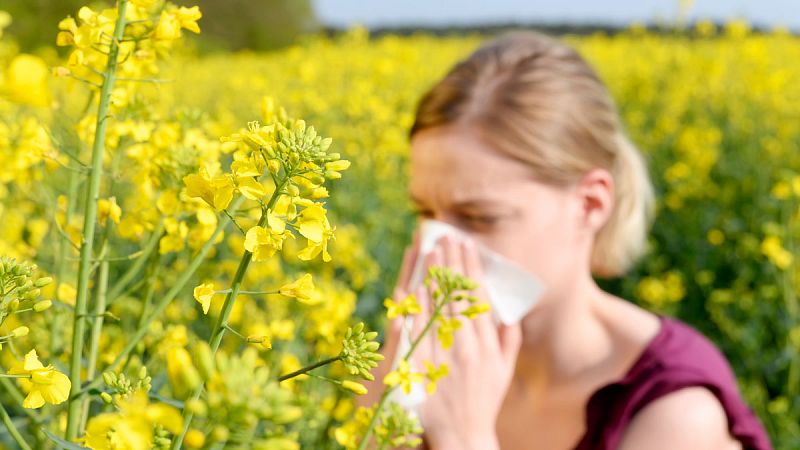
513,292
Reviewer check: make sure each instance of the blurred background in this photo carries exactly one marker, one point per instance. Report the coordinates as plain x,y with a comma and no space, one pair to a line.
707,89
269,24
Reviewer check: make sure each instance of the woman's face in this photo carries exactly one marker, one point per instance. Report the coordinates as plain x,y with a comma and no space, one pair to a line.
457,178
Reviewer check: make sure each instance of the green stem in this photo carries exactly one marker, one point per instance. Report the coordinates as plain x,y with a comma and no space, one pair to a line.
13,429
56,338
97,328
152,274
385,395
152,271
89,223
218,331
119,287
308,368
222,322
100,300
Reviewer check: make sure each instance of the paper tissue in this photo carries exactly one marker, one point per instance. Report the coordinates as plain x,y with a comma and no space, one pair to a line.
512,291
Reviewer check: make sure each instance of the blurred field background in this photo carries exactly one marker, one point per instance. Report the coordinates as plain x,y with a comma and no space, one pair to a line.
715,107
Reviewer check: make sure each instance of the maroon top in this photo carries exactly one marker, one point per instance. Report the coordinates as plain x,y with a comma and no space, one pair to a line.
678,357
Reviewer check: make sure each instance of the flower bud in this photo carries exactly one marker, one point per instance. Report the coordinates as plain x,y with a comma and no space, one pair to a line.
196,407
44,281
107,399
110,378
20,331
332,175
220,434
43,305
352,386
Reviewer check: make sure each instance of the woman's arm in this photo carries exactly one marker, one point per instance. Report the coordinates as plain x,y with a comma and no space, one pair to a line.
690,418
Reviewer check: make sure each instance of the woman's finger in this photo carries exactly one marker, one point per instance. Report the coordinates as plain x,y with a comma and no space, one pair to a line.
510,337
434,258
423,350
452,254
484,326
472,261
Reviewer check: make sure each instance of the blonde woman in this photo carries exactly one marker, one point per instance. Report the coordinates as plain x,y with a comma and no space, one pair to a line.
521,147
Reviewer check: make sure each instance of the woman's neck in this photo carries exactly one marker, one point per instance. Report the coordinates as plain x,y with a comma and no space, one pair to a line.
566,339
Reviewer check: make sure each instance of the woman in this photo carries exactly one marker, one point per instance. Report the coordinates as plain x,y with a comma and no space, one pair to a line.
521,147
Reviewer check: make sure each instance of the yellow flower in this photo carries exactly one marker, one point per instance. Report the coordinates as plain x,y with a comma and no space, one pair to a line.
132,427
349,435
405,307
26,80
473,310
313,225
108,208
203,294
169,27
217,191
445,330
264,242
251,188
194,438
174,239
188,18
715,236
403,376
182,374
45,383
776,253
144,3
66,293
302,289
113,431
171,21
434,374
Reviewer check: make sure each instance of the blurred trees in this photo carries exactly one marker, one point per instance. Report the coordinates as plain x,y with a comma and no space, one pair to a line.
226,24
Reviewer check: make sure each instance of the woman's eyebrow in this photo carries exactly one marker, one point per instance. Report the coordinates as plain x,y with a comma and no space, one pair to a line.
463,204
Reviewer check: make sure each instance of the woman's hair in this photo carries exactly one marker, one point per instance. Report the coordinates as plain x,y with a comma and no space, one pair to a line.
537,100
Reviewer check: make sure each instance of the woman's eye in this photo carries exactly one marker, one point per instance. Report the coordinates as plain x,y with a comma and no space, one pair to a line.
423,213
483,220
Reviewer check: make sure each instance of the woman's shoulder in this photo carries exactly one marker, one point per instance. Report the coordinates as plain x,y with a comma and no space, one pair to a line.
677,357
680,349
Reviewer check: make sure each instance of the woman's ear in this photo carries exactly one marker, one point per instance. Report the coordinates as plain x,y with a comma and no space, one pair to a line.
595,191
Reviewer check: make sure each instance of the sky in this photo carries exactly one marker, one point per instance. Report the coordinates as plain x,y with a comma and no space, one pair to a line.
376,13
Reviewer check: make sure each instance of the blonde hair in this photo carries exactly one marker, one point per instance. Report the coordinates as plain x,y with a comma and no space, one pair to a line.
537,100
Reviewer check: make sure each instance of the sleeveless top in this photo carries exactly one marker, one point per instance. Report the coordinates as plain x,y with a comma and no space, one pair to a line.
677,357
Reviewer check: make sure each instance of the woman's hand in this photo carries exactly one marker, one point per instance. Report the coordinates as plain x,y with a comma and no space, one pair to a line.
462,412
389,349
